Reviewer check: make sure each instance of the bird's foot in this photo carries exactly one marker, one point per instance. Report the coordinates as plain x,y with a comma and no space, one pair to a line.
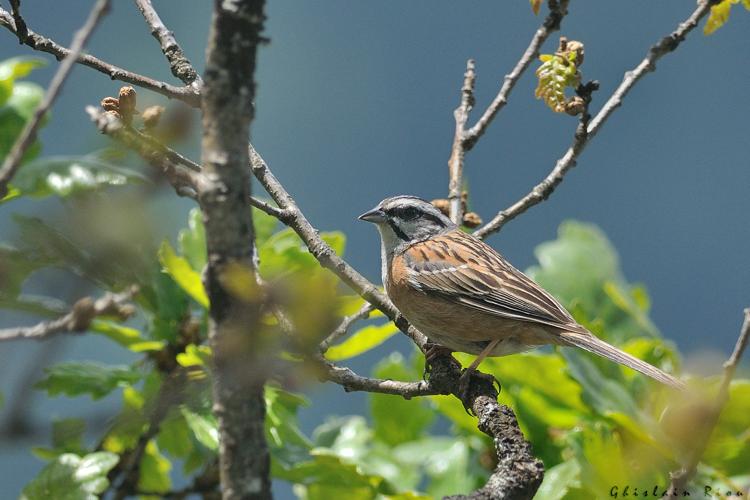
431,353
468,379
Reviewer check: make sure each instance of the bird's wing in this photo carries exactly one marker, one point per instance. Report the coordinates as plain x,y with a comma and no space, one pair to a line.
467,271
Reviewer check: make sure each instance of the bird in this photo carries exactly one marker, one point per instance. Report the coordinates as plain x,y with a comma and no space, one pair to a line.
466,297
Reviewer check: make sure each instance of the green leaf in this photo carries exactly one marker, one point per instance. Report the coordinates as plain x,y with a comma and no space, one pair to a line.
175,437
123,335
560,480
446,462
395,419
192,240
13,69
602,394
181,272
194,355
154,470
284,253
97,380
264,225
362,341
71,477
535,5
204,428
287,443
718,16
14,113
729,447
555,75
66,176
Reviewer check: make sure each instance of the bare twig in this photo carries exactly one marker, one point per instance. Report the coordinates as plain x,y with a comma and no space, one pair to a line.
186,94
78,319
456,160
178,62
181,172
345,326
21,30
681,477
266,207
542,190
557,11
28,135
323,252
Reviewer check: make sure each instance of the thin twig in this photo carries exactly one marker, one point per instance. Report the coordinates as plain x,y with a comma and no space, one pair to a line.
345,326
22,31
323,252
78,319
181,172
681,478
186,94
456,160
178,62
542,190
28,135
266,207
557,11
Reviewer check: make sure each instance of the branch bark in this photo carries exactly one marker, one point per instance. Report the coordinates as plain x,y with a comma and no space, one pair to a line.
28,135
545,188
78,319
178,61
558,9
234,326
186,94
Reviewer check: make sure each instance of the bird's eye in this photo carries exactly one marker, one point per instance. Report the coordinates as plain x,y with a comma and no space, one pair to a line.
409,213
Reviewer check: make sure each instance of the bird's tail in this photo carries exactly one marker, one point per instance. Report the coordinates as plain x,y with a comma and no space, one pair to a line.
593,344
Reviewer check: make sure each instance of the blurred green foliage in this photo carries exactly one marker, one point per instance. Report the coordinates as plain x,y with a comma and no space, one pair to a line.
596,425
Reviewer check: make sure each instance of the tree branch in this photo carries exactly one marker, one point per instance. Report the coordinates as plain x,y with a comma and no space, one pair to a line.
545,188
181,172
78,319
28,135
681,478
557,11
186,94
22,31
178,62
345,326
325,255
234,329
456,160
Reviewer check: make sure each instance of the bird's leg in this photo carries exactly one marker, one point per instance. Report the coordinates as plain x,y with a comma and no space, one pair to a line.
465,380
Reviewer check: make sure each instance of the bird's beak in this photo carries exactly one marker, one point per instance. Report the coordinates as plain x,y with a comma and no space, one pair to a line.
375,215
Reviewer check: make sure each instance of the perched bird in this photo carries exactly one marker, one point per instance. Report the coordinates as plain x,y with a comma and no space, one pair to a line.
464,296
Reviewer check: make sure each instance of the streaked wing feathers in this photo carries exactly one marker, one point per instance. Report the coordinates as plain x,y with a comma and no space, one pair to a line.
465,270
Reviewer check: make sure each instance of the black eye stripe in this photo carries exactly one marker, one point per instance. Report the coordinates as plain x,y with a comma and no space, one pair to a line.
402,235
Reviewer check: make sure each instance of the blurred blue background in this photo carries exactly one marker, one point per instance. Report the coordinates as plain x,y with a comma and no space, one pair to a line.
355,103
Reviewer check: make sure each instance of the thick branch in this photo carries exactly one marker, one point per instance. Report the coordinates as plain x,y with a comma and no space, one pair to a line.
557,11
186,94
78,319
542,190
681,478
178,62
234,328
28,135
456,160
